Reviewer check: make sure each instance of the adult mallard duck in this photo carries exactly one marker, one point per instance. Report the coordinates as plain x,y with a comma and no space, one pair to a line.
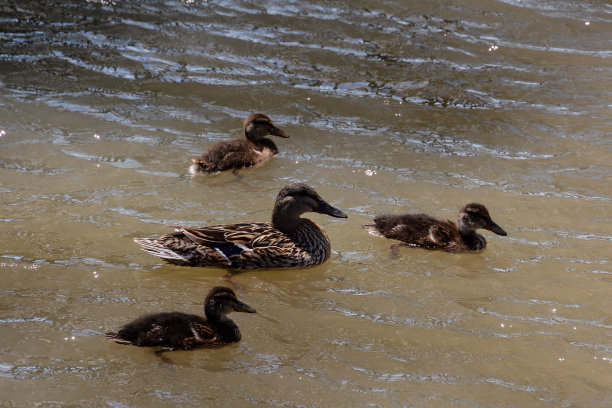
287,241
175,330
423,230
235,154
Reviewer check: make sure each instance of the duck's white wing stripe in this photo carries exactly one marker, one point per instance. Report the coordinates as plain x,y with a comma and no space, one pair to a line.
242,246
222,254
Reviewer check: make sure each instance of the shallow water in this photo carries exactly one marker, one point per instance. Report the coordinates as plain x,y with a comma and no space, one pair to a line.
394,107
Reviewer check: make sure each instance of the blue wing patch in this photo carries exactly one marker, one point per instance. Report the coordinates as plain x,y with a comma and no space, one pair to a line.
229,250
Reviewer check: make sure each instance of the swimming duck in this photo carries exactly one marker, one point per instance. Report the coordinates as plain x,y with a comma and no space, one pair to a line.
175,330
235,154
426,231
287,241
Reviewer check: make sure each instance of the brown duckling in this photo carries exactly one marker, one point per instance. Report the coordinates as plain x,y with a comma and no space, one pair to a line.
287,241
175,330
423,230
238,153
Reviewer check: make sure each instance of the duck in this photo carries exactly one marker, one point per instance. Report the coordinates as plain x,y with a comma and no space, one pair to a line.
239,153
422,230
176,330
287,241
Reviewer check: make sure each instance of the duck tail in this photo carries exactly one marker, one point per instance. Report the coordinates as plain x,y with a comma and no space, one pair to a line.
114,336
372,230
199,166
153,247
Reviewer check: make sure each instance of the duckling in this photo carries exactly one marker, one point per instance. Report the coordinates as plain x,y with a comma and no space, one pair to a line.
288,241
235,154
175,330
422,230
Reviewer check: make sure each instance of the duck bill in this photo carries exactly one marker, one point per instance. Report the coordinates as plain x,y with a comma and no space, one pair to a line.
327,209
496,229
279,132
243,307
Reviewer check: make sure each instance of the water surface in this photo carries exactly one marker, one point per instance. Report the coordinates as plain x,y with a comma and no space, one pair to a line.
417,106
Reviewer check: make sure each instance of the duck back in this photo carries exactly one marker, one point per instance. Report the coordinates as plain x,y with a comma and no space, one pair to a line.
243,246
169,330
417,229
235,154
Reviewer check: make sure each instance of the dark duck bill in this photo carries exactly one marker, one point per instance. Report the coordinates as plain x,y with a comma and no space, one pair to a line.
278,132
493,227
327,209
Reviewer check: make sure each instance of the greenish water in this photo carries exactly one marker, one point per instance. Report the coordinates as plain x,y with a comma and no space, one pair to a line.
417,106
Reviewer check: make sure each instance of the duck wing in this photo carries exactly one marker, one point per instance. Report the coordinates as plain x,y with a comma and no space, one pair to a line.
247,235
169,330
203,336
442,234
415,230
225,155
248,245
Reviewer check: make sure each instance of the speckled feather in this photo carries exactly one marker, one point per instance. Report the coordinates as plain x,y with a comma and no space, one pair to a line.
236,154
176,330
288,241
168,330
257,246
425,231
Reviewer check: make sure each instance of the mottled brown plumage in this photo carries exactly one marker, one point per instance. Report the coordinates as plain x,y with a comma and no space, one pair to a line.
175,330
235,154
288,241
426,231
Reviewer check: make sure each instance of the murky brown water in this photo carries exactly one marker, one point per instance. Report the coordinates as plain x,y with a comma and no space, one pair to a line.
394,107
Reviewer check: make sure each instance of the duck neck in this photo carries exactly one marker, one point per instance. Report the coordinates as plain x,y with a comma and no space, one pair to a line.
464,228
286,216
255,135
306,235
263,143
287,223
472,240
226,329
257,141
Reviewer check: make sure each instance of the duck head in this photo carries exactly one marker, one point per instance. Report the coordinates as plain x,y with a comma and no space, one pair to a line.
297,198
475,216
221,301
257,126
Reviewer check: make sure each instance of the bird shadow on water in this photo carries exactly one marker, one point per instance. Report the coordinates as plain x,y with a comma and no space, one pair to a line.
165,360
